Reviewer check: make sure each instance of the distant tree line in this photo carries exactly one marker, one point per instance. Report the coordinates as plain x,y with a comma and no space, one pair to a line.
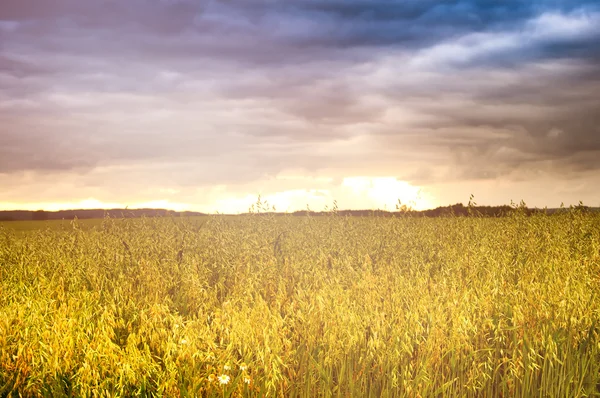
455,210
41,215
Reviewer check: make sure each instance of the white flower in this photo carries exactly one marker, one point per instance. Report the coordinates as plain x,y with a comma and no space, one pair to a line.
243,367
247,380
227,367
183,341
224,379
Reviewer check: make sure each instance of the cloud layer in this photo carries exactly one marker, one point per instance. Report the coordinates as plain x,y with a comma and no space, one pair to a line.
150,100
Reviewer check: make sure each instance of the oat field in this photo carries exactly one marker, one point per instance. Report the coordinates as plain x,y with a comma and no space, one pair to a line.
303,306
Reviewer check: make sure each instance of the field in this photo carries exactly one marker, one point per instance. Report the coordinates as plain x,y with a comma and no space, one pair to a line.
58,225
303,306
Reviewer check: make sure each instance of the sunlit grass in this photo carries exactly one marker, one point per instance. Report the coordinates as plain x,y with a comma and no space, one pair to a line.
302,306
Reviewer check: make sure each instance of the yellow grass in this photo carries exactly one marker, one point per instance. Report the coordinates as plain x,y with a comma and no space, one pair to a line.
304,306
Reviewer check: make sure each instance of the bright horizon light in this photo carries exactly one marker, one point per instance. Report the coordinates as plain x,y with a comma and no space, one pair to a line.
354,193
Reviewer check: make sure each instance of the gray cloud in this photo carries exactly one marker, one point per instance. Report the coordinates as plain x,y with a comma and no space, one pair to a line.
206,92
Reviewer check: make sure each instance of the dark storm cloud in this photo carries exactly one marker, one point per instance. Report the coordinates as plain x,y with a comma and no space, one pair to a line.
542,119
489,87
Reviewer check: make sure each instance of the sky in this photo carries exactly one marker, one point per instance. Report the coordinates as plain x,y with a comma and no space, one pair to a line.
204,104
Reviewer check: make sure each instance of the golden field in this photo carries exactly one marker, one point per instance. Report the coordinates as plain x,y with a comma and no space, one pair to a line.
265,305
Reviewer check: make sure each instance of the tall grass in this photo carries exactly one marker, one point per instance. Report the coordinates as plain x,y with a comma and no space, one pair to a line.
303,307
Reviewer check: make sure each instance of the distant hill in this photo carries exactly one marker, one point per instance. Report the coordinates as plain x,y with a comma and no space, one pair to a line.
457,209
40,215
443,211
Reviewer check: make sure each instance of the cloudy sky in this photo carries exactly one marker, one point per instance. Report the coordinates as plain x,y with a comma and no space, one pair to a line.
205,104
